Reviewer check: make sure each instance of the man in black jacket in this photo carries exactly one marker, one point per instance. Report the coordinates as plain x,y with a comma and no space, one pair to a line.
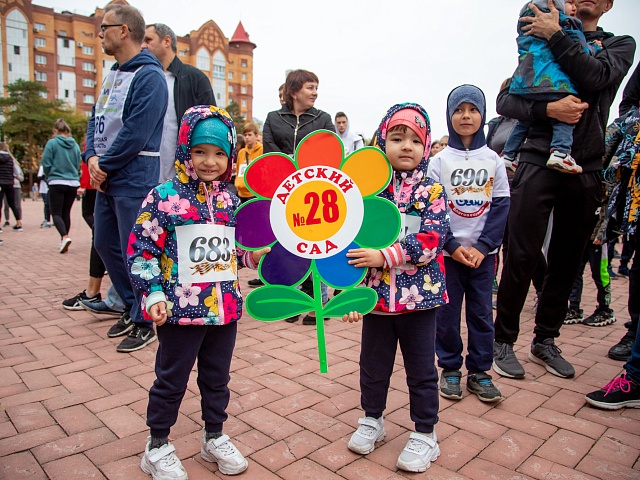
537,190
187,86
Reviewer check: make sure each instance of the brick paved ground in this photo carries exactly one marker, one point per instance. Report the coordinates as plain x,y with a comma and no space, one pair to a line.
73,408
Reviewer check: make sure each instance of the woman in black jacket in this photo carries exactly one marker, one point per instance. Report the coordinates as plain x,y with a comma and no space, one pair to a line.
285,128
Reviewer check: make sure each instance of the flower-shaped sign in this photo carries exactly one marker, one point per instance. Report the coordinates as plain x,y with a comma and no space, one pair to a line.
311,210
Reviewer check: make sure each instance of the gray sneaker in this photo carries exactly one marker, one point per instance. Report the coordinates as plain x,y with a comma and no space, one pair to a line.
505,362
548,355
450,384
480,383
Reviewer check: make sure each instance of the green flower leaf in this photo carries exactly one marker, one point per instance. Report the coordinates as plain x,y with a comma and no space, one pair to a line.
358,299
277,302
378,211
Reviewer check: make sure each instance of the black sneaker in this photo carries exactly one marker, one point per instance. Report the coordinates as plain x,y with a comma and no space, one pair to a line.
292,319
618,393
505,362
600,318
548,355
450,384
480,383
17,228
256,282
574,315
622,350
75,303
139,337
122,327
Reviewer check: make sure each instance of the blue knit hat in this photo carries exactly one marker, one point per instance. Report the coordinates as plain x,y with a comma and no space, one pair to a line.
214,132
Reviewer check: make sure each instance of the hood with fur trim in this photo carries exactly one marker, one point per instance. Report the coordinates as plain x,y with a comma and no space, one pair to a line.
183,151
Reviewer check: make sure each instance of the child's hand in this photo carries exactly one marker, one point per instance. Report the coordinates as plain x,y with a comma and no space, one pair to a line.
365,257
353,317
158,313
258,254
476,256
463,256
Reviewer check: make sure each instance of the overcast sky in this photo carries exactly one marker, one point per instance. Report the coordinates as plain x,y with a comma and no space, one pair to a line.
369,54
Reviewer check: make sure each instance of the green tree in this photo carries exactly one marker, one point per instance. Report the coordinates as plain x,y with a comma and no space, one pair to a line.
29,120
234,110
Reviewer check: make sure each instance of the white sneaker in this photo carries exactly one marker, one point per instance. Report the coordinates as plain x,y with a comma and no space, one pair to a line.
420,451
369,432
162,464
563,162
221,451
64,245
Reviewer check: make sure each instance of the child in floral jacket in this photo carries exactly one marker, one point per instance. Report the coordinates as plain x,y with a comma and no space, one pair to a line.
183,259
409,279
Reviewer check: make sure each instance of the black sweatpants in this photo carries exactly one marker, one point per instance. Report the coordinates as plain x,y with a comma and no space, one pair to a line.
179,347
61,198
535,192
416,333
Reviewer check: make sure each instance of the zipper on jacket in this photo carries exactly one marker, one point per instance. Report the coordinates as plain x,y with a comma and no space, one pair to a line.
295,134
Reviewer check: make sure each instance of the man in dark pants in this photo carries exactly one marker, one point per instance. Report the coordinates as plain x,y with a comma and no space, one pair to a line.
537,190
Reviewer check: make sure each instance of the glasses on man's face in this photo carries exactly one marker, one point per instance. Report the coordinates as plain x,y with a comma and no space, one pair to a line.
104,26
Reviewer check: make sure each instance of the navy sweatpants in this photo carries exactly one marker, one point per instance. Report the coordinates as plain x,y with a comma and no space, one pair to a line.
179,347
473,285
415,331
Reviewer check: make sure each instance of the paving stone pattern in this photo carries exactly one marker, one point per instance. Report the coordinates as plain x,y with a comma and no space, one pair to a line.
74,408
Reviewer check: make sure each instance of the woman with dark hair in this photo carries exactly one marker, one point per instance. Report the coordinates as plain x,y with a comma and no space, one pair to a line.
7,177
61,165
285,128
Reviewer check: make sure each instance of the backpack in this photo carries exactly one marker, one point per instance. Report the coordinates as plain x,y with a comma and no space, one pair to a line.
499,130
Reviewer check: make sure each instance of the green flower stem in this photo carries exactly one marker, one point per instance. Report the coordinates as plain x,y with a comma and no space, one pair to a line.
317,299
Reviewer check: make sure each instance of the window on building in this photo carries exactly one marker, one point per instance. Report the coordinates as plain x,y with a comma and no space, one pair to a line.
243,63
87,114
87,50
41,42
244,89
65,43
63,33
43,94
182,53
88,66
66,93
244,103
88,99
39,27
41,60
203,60
230,75
87,82
10,67
16,50
244,77
41,76
230,89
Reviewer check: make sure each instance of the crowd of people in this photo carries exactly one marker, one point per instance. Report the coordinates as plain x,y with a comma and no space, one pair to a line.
164,175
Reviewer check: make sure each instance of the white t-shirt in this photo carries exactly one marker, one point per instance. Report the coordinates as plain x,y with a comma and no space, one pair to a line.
169,134
471,180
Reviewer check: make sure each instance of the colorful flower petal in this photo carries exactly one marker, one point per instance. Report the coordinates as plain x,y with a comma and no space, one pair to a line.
369,168
320,148
280,267
253,228
377,212
264,175
337,272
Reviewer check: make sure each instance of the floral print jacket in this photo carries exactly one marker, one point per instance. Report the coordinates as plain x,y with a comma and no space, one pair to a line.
416,279
153,246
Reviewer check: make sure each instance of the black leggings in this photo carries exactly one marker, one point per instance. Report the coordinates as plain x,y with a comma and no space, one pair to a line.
96,265
6,191
61,198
